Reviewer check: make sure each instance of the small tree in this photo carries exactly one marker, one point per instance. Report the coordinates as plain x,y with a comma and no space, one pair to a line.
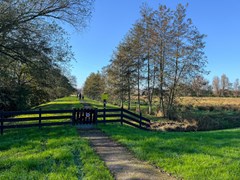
224,85
94,86
236,87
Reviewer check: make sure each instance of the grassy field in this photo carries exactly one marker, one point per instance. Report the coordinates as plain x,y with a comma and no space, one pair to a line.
210,101
199,155
49,153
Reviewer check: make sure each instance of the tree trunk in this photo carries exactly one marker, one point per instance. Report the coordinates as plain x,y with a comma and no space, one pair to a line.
138,79
129,95
162,64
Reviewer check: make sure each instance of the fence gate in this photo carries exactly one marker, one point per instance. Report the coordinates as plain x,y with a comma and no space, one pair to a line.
85,116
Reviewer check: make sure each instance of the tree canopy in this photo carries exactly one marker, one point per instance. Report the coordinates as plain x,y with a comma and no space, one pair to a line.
161,53
34,49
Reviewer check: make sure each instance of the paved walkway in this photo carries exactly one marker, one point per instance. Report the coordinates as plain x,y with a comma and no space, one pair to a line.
122,164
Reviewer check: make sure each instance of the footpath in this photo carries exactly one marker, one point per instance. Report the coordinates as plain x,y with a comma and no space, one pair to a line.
121,163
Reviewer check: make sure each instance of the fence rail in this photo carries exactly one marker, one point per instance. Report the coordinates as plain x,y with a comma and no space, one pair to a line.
39,119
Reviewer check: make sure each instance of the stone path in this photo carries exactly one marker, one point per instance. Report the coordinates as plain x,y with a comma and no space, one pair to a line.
122,164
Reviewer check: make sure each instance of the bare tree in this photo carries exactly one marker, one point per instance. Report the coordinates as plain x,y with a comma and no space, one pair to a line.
199,84
216,86
224,85
172,49
236,87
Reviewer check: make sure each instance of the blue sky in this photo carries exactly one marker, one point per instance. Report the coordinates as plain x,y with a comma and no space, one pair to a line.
111,20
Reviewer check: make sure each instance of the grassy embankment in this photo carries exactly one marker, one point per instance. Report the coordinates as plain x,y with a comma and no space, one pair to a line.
192,155
50,153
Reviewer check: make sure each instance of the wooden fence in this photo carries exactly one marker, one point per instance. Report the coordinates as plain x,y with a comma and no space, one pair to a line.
40,118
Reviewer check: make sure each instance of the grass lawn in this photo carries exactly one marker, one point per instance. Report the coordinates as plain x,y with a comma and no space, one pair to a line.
61,104
193,155
98,104
50,153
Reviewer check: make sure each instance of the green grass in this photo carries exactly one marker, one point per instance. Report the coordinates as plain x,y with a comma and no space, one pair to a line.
193,155
61,104
98,104
216,119
49,153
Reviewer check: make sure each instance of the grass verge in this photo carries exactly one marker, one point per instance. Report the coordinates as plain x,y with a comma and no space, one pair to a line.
192,155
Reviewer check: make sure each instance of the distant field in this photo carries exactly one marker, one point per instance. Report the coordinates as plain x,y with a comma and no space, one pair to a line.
196,101
210,101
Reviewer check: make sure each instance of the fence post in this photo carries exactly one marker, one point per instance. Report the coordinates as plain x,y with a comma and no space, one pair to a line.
1,120
40,118
104,115
121,115
140,120
95,115
73,116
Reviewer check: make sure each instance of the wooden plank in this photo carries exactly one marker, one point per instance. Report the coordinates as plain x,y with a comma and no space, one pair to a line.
108,121
35,118
36,125
1,121
14,113
109,110
104,115
136,115
135,120
121,116
20,119
135,125
109,115
56,117
145,119
131,118
40,117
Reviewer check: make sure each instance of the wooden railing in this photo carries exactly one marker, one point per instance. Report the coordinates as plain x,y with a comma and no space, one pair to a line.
14,119
123,116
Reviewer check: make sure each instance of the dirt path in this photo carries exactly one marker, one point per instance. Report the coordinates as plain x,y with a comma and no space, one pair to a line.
121,163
